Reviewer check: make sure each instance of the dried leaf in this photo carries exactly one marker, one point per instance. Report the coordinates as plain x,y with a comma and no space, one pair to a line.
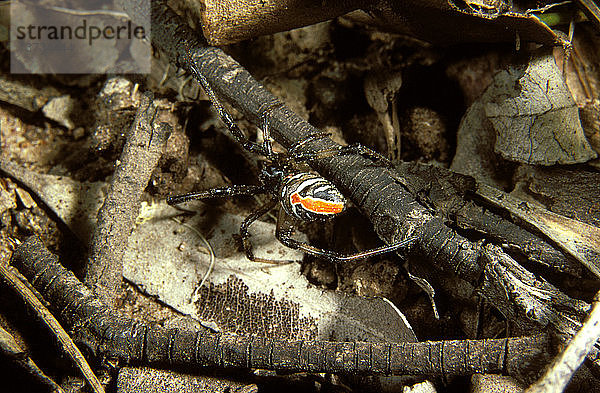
474,150
534,116
527,115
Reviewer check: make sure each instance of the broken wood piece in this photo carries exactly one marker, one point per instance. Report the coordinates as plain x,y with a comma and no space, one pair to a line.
24,94
145,142
225,22
557,377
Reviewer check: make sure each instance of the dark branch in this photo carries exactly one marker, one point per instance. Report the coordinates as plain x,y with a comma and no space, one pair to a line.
109,334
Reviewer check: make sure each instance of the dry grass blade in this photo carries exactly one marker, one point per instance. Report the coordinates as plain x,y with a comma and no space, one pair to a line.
560,373
10,349
210,252
576,238
45,315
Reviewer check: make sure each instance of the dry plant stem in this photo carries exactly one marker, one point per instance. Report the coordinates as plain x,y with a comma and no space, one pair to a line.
46,316
10,349
568,361
106,333
145,142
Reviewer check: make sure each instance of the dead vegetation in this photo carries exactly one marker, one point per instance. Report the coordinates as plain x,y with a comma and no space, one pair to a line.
495,173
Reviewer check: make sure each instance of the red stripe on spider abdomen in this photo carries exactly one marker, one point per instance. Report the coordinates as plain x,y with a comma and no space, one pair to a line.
309,197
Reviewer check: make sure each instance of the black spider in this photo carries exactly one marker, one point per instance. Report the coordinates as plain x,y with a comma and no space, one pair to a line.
302,195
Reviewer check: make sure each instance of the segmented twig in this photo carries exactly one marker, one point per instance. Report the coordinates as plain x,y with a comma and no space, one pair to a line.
106,333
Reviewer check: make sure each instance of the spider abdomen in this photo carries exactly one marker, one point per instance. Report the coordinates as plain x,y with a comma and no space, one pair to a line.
310,197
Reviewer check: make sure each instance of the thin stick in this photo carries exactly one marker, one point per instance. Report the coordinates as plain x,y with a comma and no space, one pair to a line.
46,316
591,10
564,366
106,333
10,349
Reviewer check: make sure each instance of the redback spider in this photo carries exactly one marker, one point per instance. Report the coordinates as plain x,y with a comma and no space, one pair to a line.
301,195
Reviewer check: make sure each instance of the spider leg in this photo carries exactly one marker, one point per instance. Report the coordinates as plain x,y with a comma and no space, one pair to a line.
219,192
357,148
265,127
309,138
245,235
227,119
284,234
353,149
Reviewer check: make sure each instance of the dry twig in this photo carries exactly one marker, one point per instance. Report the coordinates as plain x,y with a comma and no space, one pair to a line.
10,349
143,148
46,316
107,333
557,377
